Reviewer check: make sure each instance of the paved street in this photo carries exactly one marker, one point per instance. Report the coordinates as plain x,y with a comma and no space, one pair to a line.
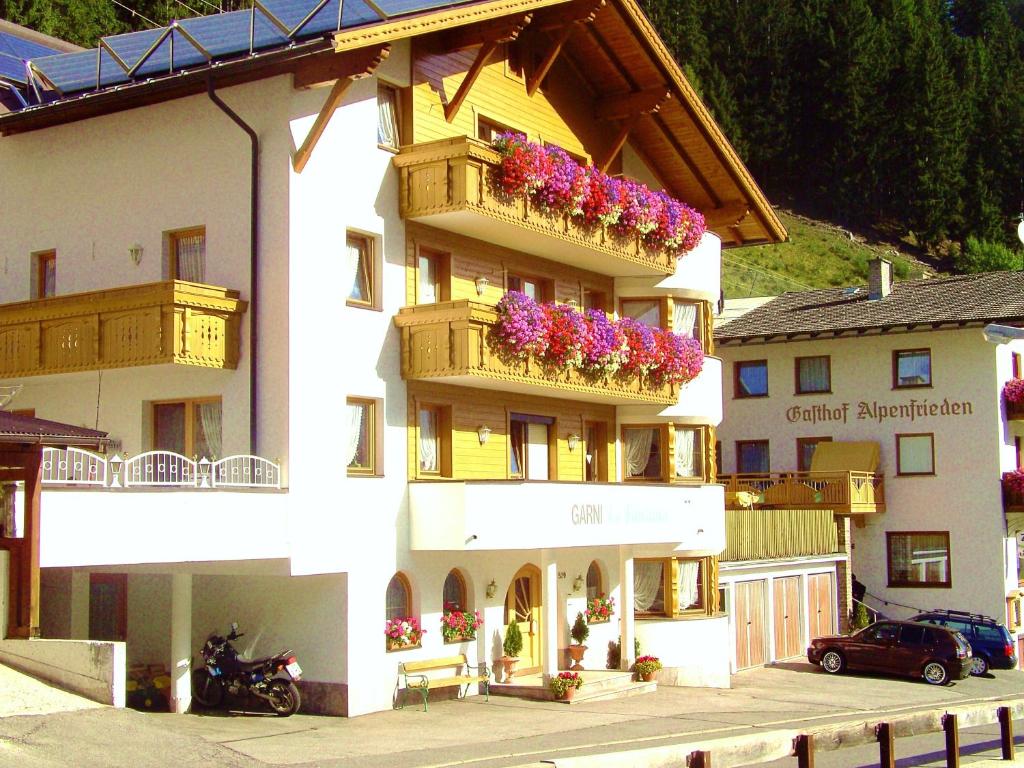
502,732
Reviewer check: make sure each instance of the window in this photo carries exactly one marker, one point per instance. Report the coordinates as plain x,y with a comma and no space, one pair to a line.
364,437
647,311
752,457
359,274
432,277
186,251
649,586
534,287
398,605
691,583
595,300
813,375
487,129
751,378
805,451
434,440
454,597
882,634
911,368
44,275
530,449
686,318
595,452
915,454
1015,360
189,427
689,463
919,559
1017,447
595,585
675,586
641,448
388,134
718,458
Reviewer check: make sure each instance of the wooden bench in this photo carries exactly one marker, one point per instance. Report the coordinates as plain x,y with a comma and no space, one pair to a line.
416,680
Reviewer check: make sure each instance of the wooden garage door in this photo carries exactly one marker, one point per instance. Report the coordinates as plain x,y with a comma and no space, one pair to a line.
751,634
786,607
821,598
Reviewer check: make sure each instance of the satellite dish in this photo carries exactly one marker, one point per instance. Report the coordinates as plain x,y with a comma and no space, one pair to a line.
7,394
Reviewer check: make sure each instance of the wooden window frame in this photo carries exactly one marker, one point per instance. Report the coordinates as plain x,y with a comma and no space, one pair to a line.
407,585
532,418
375,438
664,321
443,269
1016,364
400,109
705,436
801,442
896,368
899,470
1017,449
496,127
189,403
39,261
463,590
699,322
443,415
601,429
173,237
545,285
670,588
796,375
948,584
665,468
594,564
599,300
737,390
371,271
740,443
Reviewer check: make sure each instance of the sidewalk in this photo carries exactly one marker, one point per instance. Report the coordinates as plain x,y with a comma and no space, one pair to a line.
21,694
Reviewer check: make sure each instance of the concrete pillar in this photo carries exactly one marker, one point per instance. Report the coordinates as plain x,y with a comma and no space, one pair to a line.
844,574
549,626
5,564
181,642
79,605
627,626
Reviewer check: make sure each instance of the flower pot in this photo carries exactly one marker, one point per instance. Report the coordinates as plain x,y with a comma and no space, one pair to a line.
509,665
576,654
567,695
647,677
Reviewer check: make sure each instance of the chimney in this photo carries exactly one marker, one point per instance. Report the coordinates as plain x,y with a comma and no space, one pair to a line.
879,278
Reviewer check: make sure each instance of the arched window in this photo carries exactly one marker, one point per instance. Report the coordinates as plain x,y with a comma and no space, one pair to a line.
594,586
455,592
398,603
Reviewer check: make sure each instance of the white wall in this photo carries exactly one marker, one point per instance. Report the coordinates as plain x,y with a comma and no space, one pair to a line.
93,669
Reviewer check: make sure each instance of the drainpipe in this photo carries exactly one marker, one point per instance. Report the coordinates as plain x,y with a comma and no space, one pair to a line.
254,175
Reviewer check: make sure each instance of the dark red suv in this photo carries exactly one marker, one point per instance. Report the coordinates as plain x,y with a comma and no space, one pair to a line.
898,648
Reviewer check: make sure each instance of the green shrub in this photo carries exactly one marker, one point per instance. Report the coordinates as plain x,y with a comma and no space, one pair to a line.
580,631
860,616
513,644
987,256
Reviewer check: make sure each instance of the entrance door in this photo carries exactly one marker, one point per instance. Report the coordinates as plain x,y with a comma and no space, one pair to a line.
523,605
108,606
821,594
751,634
786,605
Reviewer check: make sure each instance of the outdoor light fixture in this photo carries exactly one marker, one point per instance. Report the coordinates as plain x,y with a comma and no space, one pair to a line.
492,589
1002,334
481,285
135,253
577,583
115,462
483,432
574,440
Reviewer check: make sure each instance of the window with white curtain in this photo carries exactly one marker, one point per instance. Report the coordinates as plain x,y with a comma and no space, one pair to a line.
673,586
813,374
649,586
642,452
360,451
912,368
430,448
689,463
690,593
387,116
915,454
647,311
357,272
684,318
428,283
188,255
191,428
397,603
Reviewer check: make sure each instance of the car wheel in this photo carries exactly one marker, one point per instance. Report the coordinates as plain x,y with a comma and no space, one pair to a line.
833,662
935,673
979,666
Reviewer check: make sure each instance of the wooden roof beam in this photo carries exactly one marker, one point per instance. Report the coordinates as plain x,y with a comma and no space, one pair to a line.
537,76
730,215
628,105
495,32
619,142
326,68
564,22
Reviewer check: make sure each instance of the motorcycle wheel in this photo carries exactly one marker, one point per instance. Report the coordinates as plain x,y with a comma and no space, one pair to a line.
207,690
283,697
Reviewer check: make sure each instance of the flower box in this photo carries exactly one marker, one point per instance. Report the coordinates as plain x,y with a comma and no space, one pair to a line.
402,633
394,647
1013,397
600,609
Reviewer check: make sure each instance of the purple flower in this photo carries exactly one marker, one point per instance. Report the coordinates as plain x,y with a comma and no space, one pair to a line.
521,329
605,347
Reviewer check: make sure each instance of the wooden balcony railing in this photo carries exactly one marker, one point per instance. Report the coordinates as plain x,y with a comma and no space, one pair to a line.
842,492
769,534
448,343
1015,411
168,322
1013,501
450,184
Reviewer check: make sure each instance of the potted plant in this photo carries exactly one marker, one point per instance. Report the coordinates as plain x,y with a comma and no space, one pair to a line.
600,609
580,632
457,626
403,633
513,646
1013,396
646,666
1013,487
564,685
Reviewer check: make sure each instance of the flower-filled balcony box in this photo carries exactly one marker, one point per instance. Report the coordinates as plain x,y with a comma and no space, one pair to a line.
460,626
402,633
1013,491
549,349
538,200
1013,397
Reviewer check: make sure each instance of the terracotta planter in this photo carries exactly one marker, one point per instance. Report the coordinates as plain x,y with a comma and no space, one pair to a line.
509,665
567,696
576,654
648,677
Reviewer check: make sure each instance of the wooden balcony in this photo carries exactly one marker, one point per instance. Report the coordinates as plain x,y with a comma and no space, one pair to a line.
771,534
1013,501
449,184
169,322
448,343
845,493
1015,411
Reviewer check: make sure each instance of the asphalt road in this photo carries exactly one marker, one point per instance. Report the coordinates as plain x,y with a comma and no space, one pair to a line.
472,732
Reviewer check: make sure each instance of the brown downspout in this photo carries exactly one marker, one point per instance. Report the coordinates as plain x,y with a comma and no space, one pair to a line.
254,175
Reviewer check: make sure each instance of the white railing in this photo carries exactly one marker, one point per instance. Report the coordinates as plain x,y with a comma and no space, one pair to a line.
156,469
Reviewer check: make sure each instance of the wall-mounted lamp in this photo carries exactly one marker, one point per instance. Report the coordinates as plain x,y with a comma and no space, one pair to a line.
481,285
492,589
483,432
577,583
135,253
573,304
115,463
574,440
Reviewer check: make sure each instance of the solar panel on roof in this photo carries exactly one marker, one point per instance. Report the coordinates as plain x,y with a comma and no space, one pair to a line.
13,53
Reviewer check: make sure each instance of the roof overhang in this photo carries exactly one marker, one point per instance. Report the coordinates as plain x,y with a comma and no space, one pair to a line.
859,332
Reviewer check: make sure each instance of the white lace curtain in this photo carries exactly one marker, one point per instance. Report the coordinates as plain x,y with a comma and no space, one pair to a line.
387,116
355,421
428,281
210,420
638,450
428,441
689,570
190,257
647,580
350,271
814,374
684,318
686,453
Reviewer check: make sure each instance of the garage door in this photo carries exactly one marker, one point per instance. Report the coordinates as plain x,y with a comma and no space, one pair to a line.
821,597
751,634
786,607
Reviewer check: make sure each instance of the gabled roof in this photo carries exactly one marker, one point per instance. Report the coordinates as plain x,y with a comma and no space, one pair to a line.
15,428
938,302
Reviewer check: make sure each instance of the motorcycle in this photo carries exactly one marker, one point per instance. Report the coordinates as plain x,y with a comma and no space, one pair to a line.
271,679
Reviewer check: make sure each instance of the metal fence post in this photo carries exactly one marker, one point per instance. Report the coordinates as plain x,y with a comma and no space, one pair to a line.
952,741
1006,732
886,746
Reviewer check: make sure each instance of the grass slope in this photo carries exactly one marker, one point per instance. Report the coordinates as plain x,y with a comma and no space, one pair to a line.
818,255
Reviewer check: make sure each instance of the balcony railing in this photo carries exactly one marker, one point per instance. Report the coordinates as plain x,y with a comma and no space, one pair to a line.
1014,411
168,322
842,492
75,467
769,534
448,342
449,184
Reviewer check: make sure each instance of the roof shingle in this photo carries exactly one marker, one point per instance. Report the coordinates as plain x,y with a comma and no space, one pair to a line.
15,428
